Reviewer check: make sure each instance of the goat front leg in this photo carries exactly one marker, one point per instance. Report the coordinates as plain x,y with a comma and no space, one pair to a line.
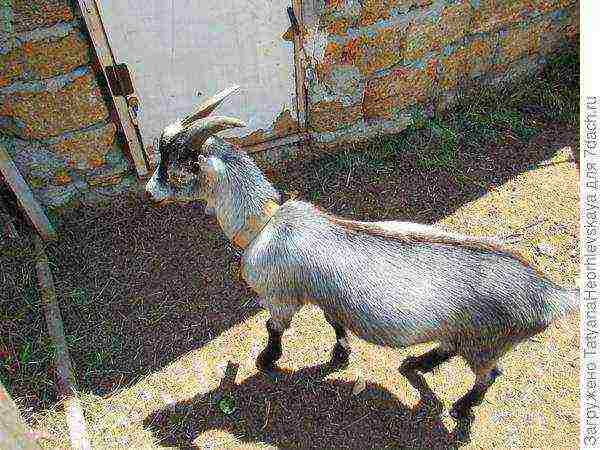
340,354
281,317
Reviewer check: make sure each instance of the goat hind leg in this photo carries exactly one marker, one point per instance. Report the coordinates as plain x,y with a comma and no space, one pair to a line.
340,355
427,361
484,378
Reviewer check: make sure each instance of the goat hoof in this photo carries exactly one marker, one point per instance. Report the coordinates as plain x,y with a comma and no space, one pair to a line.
340,358
410,364
338,364
495,373
265,364
461,412
267,367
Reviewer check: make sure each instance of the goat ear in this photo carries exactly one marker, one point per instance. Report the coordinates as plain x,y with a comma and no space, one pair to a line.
208,106
213,167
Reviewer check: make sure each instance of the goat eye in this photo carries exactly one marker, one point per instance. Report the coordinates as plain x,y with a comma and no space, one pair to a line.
194,167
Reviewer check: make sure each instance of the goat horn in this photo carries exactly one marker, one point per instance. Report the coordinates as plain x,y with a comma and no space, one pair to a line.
201,129
208,106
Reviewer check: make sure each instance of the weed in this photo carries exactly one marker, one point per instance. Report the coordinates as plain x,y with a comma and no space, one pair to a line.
25,354
315,196
79,297
30,296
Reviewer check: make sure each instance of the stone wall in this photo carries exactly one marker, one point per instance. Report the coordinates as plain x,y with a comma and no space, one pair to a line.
372,62
54,114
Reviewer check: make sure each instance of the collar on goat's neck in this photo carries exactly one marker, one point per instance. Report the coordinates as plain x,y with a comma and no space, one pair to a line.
254,225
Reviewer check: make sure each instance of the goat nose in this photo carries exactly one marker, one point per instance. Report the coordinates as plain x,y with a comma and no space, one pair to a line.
149,194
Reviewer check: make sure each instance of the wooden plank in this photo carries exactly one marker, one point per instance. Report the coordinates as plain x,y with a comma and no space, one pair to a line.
287,140
299,69
14,432
64,371
90,10
32,208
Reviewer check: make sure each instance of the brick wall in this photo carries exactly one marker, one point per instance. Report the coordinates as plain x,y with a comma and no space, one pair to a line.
372,62
54,118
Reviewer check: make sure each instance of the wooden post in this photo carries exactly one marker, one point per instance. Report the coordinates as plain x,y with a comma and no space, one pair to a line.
14,433
93,22
64,371
299,68
34,211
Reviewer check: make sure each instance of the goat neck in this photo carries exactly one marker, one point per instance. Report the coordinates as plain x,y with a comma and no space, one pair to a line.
254,225
242,222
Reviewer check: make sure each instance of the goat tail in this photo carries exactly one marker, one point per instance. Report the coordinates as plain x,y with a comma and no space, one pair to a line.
565,302
573,300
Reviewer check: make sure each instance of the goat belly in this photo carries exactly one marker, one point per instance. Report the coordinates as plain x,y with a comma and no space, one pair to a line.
404,294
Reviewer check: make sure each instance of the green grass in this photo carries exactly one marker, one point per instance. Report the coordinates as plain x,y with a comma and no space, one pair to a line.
79,297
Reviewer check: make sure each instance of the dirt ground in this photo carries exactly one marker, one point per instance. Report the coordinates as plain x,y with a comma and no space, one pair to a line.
163,334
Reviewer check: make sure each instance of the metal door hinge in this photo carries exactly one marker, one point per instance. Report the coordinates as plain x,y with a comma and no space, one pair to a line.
293,19
119,80
294,28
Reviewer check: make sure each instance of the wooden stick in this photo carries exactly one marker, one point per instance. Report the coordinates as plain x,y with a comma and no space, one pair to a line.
93,21
64,370
14,433
299,69
32,208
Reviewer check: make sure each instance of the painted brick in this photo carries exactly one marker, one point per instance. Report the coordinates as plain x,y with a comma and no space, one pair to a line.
411,85
51,57
283,125
44,114
86,149
454,68
333,53
480,54
62,178
432,32
338,26
572,23
331,116
520,41
331,6
420,38
551,5
493,15
30,14
384,109
454,21
385,50
353,50
11,66
373,11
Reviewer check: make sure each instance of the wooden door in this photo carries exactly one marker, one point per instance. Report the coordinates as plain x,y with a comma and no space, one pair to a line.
182,50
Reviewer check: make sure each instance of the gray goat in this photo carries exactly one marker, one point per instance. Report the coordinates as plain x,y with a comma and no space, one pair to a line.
391,283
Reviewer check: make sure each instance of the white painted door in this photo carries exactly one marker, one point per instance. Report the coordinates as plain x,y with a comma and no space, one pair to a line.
180,49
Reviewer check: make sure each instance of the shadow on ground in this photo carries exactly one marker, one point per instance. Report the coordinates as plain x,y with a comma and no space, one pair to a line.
141,286
302,410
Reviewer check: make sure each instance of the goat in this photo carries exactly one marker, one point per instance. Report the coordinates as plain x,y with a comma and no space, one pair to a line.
390,283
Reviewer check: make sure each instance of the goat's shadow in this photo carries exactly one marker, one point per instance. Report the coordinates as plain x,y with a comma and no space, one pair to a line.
303,410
